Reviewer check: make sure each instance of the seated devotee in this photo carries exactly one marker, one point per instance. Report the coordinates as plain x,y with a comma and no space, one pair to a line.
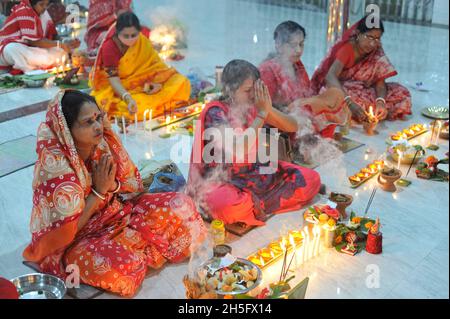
358,65
86,207
129,76
103,14
27,40
237,189
289,84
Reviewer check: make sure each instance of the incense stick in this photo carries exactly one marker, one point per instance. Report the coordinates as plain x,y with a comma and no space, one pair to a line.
284,264
289,266
370,200
412,163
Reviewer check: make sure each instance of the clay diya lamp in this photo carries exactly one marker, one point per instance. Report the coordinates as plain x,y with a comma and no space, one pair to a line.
257,260
373,169
296,237
388,177
266,254
342,202
276,249
379,164
370,126
354,179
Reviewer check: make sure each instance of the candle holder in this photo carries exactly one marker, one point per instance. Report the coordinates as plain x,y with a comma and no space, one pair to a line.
342,202
374,244
366,173
408,133
388,177
369,127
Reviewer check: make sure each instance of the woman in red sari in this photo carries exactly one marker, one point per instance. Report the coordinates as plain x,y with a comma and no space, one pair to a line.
358,65
103,14
289,84
237,190
86,210
27,39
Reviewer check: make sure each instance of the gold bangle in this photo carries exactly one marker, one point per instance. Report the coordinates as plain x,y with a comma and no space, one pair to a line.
102,197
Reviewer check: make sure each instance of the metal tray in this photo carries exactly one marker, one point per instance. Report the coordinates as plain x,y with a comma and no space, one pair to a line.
436,112
39,286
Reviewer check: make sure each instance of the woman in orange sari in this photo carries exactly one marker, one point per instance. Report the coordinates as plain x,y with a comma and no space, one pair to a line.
241,191
358,65
289,84
86,210
129,77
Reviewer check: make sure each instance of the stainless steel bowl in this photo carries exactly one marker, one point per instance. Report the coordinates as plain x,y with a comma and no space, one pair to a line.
34,83
245,262
39,286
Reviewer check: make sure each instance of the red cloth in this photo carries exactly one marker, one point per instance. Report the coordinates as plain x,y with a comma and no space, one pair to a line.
346,55
8,290
109,53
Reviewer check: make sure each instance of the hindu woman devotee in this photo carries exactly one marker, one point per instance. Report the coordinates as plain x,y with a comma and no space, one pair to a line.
28,39
87,205
240,191
103,14
289,84
129,77
358,65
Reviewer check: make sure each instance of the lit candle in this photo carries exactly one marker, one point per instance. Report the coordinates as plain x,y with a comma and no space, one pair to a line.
135,122
145,119
150,119
306,243
318,234
439,126
124,129
371,114
302,249
168,119
400,156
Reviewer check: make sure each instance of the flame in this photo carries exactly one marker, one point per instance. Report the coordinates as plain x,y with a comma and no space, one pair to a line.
371,112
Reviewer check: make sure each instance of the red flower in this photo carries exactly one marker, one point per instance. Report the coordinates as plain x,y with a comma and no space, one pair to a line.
332,212
263,294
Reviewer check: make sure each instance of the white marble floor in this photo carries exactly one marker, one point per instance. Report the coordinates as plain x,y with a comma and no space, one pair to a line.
415,259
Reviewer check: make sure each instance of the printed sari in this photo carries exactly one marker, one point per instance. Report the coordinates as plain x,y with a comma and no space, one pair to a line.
239,192
139,65
129,233
358,79
326,110
102,14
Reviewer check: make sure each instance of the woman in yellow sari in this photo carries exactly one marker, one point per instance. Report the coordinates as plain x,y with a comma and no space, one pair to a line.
129,77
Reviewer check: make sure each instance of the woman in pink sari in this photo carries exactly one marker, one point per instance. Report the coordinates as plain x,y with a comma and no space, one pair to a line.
103,14
358,65
87,208
238,189
289,84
